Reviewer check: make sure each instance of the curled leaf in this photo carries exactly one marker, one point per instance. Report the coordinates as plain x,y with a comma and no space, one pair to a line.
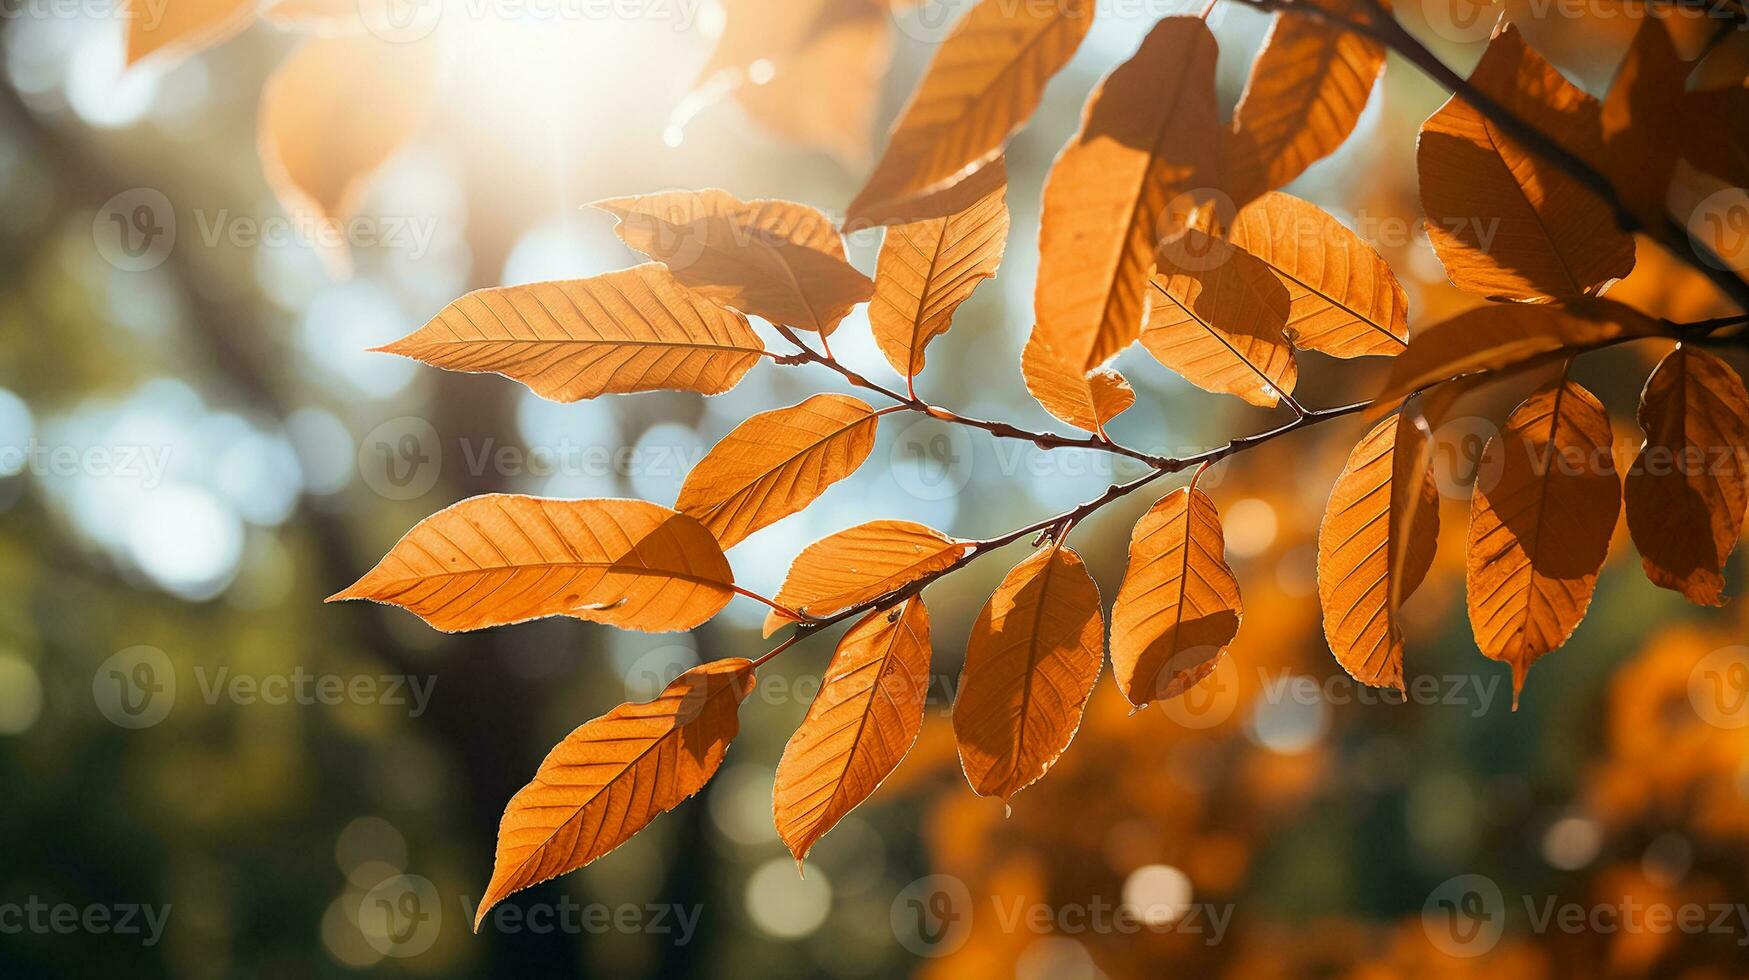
1086,400
862,563
1217,319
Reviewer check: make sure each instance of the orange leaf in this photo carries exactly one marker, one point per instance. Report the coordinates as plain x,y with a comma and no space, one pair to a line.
1033,657
611,776
778,260
927,269
1375,545
862,563
1178,607
1540,526
777,463
633,330
985,80
1217,319
1084,400
1715,133
863,721
1306,91
1500,338
1149,134
182,27
1344,300
1687,490
1506,223
1641,127
502,558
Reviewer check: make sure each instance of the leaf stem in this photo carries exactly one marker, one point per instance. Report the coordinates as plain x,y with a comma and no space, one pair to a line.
780,607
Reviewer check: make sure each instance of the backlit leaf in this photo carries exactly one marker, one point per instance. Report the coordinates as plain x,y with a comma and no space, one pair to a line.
1086,400
863,721
1217,319
1642,132
503,558
633,330
776,463
611,776
1033,657
181,27
1687,490
862,563
1178,607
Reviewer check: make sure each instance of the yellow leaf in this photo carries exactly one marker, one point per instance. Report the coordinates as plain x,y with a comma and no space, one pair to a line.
1086,400
862,563
1375,545
633,330
181,27
1217,319
985,80
1540,526
1687,490
1506,223
1178,607
611,776
778,260
776,463
927,269
1306,92
1033,657
863,721
1149,134
1344,300
503,558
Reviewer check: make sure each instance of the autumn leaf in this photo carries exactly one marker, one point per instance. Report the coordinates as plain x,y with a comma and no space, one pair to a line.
1508,224
1149,134
863,721
1375,545
1642,137
634,330
1687,489
985,81
1086,400
611,776
1499,338
1540,526
927,269
1343,299
777,463
1178,607
504,558
334,112
1033,657
1217,319
182,27
860,564
777,260
1307,89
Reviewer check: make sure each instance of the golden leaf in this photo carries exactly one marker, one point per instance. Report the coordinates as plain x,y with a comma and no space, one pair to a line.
1149,134
778,260
1687,489
863,721
1217,319
1306,91
1506,223
611,776
1033,657
1086,400
985,80
1178,607
1344,300
927,269
1540,526
182,27
1715,133
776,463
859,564
502,558
1642,135
1375,545
633,330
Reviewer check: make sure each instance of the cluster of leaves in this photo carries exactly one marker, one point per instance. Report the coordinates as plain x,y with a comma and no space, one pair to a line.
1162,224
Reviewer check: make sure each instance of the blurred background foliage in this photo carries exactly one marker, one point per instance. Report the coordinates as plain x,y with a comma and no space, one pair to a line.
1323,823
